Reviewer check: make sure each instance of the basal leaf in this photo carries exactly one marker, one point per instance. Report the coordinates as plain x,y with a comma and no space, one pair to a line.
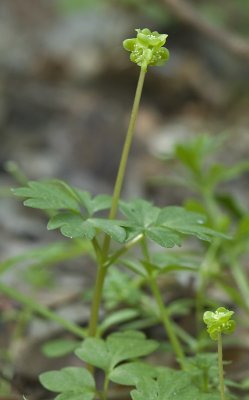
119,346
74,383
120,288
95,352
118,317
131,373
129,345
59,347
170,384
51,195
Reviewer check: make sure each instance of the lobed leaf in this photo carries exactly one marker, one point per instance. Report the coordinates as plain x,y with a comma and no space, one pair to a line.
73,225
170,384
165,226
72,382
119,346
58,195
131,373
50,195
59,347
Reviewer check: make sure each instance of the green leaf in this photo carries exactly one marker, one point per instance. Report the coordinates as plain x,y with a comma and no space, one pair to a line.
167,225
131,373
95,352
74,383
163,236
47,255
50,195
118,317
110,227
194,153
119,288
92,205
222,173
169,261
58,195
59,347
187,223
119,346
139,212
170,384
73,225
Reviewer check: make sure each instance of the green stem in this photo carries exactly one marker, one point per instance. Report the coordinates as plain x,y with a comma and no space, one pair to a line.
41,310
164,316
221,372
241,281
98,289
167,323
203,280
123,250
106,386
124,156
101,272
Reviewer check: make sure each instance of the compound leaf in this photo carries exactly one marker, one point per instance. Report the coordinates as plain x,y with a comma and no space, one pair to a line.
165,226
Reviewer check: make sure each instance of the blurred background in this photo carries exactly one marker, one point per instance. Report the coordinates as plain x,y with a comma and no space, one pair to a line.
67,85
66,91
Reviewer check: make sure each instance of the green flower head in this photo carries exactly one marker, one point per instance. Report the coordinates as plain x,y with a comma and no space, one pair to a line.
146,49
219,322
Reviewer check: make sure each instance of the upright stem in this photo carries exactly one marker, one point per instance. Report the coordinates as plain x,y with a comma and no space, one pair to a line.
202,281
163,311
221,373
241,281
124,156
167,323
101,273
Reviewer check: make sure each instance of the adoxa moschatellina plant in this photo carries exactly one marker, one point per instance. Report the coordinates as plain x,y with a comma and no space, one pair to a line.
74,212
218,323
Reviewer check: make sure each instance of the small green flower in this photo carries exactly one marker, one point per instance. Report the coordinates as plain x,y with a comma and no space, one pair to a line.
219,322
146,49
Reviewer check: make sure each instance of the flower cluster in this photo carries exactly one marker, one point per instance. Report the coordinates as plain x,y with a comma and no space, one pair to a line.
146,49
219,322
